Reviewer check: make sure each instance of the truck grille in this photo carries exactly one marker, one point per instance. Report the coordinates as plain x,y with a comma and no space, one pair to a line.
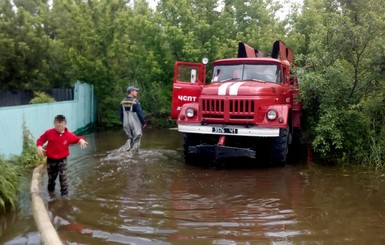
212,108
237,109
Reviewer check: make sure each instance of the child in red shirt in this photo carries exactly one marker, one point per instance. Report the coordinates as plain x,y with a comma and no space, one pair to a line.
59,138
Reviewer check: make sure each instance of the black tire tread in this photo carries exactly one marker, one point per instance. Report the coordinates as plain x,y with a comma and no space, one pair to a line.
280,147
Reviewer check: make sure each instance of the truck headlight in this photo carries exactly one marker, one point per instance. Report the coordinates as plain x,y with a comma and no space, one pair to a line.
190,112
271,114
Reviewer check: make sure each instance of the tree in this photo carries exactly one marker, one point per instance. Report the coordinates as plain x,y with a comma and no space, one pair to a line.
341,72
24,58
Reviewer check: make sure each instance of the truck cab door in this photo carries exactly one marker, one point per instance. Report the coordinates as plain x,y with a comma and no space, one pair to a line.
189,79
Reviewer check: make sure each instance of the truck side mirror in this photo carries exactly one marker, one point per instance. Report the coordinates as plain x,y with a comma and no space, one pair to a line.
293,81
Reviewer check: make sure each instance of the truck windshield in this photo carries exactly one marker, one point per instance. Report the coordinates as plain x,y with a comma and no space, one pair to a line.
247,72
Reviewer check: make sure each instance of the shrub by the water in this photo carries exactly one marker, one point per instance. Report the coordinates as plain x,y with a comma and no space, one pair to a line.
41,97
11,172
9,185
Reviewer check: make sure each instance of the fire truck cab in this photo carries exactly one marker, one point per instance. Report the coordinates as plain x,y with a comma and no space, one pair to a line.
249,106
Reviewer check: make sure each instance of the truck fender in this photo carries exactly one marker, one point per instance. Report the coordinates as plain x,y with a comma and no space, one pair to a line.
283,115
182,118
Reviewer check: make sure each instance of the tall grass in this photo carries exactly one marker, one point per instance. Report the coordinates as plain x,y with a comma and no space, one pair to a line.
11,172
9,185
28,158
374,159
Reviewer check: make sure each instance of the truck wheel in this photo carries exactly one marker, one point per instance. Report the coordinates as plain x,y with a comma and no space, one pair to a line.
280,147
189,140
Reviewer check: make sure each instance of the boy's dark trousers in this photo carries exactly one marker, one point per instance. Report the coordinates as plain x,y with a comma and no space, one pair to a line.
57,167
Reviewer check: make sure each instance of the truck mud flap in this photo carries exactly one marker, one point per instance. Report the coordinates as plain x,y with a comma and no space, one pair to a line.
221,152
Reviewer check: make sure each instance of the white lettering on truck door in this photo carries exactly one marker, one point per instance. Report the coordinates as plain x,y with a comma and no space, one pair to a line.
187,98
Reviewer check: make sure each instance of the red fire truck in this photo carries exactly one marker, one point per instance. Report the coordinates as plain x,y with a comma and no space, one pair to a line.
249,107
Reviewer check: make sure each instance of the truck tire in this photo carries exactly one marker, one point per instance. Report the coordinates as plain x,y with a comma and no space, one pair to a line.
189,140
280,147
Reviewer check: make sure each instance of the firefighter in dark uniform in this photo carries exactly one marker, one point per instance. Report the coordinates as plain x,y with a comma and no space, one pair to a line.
132,117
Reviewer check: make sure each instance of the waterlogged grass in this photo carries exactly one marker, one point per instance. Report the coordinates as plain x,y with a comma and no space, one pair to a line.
11,172
9,185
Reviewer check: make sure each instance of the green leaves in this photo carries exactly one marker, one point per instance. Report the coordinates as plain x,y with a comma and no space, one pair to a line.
112,44
9,186
116,43
341,56
11,172
41,97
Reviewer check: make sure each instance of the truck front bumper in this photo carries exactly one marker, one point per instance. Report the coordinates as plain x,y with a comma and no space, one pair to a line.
220,152
233,130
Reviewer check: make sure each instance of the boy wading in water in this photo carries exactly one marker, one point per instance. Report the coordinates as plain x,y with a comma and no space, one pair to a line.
59,138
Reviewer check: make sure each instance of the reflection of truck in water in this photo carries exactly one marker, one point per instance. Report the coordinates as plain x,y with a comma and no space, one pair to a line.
248,108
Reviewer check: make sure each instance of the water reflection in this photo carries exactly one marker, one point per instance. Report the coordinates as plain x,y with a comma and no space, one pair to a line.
154,198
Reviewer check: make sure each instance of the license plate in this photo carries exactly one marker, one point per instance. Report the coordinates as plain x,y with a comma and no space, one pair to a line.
220,130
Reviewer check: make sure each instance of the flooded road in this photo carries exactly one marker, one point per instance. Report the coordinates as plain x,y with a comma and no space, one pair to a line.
155,198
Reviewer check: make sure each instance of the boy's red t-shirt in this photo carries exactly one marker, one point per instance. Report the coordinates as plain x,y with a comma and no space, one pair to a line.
58,143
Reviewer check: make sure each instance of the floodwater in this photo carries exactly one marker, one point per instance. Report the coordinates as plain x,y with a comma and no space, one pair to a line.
155,198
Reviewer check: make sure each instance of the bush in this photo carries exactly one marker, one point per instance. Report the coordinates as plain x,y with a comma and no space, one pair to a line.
9,185
343,127
28,158
41,97
11,172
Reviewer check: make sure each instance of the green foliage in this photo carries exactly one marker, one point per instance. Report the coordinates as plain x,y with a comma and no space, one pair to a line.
25,60
155,98
373,107
342,91
41,97
110,108
28,158
113,44
9,186
10,172
338,134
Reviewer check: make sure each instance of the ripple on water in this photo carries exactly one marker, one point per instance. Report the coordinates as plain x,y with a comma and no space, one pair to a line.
143,154
136,203
120,161
204,217
154,198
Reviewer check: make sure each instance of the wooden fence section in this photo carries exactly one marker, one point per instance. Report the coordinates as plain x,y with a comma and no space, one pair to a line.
23,97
